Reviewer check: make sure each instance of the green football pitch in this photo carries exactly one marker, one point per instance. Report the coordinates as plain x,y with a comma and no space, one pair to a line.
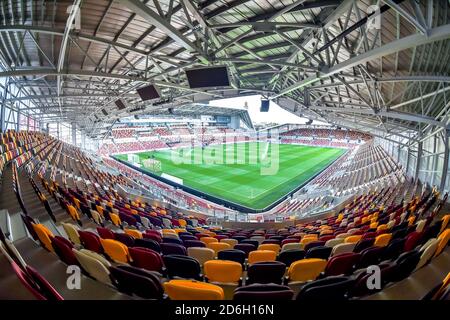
251,174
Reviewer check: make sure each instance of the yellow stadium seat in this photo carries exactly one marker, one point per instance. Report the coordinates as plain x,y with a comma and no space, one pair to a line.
306,269
445,221
115,219
383,240
45,236
352,239
261,255
100,209
270,246
73,212
305,241
207,240
116,250
444,237
192,290
134,233
223,271
218,246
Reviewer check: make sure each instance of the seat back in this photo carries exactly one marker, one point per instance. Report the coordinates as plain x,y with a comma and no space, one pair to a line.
131,280
341,264
172,248
444,222
231,242
90,241
444,238
320,252
148,243
172,238
393,249
105,233
246,247
334,242
193,290
115,250
146,258
263,292
152,236
207,240
427,252
290,256
266,272
95,268
331,289
72,233
126,239
270,246
97,217
223,271
363,244
45,236
370,256
232,255
260,239
218,246
136,234
342,248
63,248
261,256
406,263
182,266
291,246
306,269
194,243
352,239
250,241
201,254
383,240
412,240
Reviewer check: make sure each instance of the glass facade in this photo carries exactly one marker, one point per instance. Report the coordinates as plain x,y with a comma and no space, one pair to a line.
431,164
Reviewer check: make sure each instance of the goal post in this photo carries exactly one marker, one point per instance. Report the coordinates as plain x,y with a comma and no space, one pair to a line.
152,164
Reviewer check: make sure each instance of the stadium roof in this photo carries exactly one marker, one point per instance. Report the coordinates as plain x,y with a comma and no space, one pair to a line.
316,58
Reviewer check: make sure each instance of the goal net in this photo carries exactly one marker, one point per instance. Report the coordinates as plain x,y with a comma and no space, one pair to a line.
152,164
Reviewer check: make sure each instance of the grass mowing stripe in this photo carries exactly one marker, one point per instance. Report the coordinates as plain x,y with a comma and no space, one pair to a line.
242,183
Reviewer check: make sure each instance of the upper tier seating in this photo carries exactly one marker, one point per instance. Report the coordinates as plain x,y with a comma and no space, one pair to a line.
59,178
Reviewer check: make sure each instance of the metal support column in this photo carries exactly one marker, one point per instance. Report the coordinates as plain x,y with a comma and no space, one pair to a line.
445,165
408,156
434,163
3,107
419,159
17,124
83,140
74,134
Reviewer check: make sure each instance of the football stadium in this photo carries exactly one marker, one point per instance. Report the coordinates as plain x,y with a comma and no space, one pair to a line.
248,151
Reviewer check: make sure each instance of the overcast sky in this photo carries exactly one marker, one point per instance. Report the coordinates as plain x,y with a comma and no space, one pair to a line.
276,114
